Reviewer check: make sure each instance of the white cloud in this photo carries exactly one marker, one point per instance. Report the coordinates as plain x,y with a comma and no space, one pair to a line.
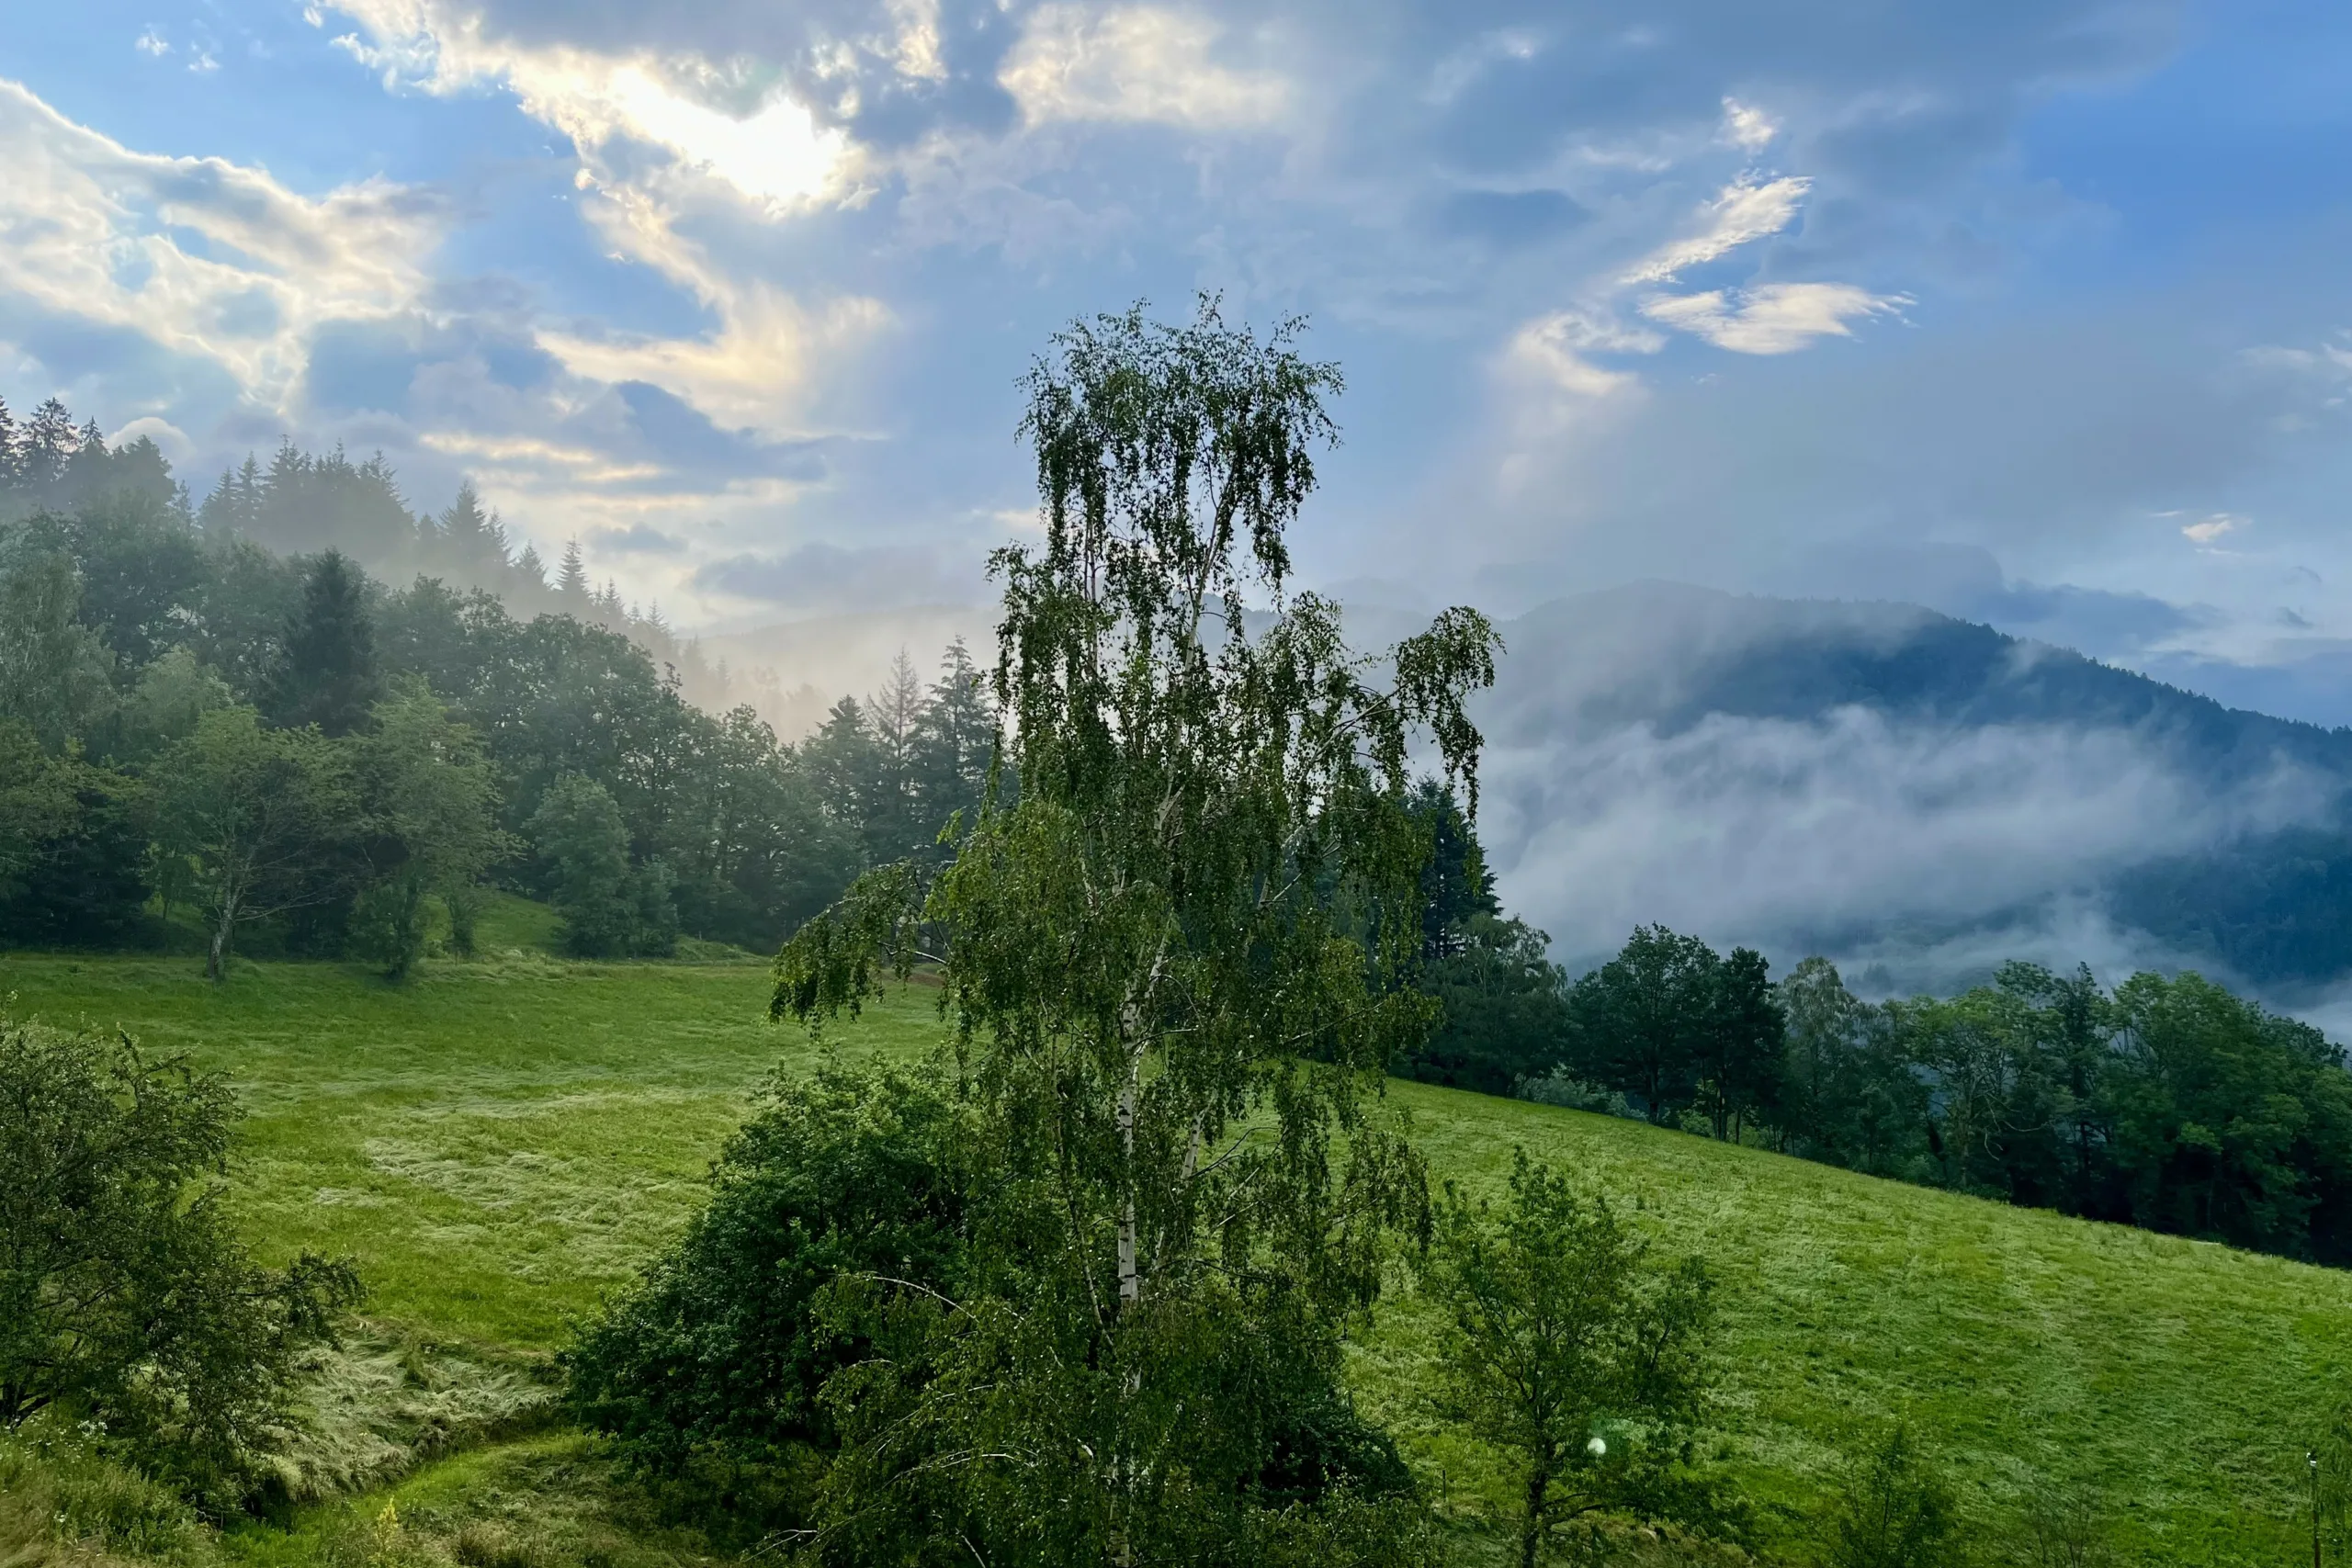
1138,62
772,152
753,371
1774,317
161,431
2209,530
1746,126
199,255
151,43
1746,210
1551,351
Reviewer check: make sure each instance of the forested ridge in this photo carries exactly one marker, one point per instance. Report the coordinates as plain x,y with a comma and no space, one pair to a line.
321,761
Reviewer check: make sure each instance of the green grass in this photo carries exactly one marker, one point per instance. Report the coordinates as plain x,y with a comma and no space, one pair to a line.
499,1142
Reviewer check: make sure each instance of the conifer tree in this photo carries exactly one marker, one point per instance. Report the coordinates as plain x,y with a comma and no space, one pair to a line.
329,674
472,538
8,440
46,444
571,580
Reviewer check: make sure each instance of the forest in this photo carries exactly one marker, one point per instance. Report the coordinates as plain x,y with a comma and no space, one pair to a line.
321,764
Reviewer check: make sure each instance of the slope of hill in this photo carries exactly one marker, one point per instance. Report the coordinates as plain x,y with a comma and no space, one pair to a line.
501,1141
1885,782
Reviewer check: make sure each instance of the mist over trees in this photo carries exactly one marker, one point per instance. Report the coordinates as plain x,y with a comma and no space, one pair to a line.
2165,1101
311,761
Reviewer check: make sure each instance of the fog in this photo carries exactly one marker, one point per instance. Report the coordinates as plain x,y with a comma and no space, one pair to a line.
1834,832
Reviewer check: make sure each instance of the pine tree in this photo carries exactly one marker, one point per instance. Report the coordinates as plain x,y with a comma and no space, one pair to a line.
286,501
954,739
245,500
329,675
473,540
571,580
530,572
47,443
8,444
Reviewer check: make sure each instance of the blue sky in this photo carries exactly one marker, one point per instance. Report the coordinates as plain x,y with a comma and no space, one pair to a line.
2035,310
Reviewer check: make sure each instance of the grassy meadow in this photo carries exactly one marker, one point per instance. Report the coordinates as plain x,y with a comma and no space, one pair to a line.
497,1141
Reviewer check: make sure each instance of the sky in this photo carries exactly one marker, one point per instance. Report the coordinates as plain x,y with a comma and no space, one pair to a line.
2033,311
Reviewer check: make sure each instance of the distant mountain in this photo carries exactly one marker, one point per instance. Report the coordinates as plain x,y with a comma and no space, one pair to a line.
1915,792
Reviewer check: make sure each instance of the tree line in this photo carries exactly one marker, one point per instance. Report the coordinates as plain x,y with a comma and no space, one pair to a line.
2164,1102
314,763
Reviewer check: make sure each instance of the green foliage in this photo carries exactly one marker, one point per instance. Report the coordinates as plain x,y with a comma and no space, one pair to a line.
87,875
1567,1346
1638,1019
1505,1015
125,1295
1178,962
1894,1510
164,702
715,1352
432,822
55,673
328,675
64,1502
578,832
255,813
1456,887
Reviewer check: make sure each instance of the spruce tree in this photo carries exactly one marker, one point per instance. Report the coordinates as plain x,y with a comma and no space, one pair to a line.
571,580
329,674
46,444
473,539
8,443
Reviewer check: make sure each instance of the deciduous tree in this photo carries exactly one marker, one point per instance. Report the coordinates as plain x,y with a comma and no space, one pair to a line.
1569,1346
1178,961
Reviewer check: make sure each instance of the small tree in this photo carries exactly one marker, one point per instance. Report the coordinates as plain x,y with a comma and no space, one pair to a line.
432,806
124,1293
578,833
1742,1035
1566,1345
255,813
1636,1019
54,671
1896,1510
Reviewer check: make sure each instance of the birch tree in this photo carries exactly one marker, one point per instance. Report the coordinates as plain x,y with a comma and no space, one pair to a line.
1177,942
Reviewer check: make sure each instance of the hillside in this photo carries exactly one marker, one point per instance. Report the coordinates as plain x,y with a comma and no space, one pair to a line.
499,1142
1886,783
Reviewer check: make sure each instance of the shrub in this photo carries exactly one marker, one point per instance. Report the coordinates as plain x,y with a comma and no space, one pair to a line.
715,1351
1895,1511
126,1299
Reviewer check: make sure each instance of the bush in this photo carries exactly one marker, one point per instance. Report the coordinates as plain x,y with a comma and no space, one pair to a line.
126,1299
1559,1087
1895,1511
715,1351
863,1238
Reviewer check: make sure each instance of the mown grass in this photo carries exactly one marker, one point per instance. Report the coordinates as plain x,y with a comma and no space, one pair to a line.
499,1142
